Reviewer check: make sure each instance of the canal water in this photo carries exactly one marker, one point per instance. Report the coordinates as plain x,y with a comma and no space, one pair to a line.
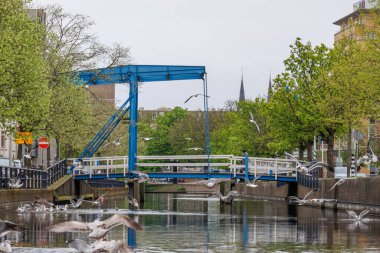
195,223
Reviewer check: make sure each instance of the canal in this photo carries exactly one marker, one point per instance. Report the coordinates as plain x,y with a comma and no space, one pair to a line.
195,223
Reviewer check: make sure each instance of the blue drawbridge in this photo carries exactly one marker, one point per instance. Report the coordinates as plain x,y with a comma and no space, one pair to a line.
133,74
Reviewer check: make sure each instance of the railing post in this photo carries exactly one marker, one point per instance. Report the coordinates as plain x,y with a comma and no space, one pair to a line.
276,168
124,167
107,168
255,167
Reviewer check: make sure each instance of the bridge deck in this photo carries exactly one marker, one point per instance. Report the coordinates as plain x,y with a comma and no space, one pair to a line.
193,175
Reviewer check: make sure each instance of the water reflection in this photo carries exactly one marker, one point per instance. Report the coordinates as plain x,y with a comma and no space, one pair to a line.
179,223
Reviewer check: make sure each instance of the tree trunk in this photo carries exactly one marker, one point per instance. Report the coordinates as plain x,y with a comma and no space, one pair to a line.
58,150
301,149
309,149
349,151
330,147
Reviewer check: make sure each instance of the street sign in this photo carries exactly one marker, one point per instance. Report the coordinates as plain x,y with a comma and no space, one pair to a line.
23,138
43,142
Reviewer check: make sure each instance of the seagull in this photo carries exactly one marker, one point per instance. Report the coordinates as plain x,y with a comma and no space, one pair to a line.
247,183
98,229
252,120
7,226
133,202
228,198
211,182
296,200
6,246
15,183
77,203
195,148
195,95
355,216
188,139
42,201
24,208
143,177
116,142
97,201
306,170
99,246
338,183
148,138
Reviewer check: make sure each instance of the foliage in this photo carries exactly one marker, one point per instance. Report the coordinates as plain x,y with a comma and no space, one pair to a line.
24,93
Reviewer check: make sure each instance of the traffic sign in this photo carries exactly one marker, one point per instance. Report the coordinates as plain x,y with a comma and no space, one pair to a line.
43,142
23,138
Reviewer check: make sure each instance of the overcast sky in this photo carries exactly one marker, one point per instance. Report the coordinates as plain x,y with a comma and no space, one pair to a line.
223,35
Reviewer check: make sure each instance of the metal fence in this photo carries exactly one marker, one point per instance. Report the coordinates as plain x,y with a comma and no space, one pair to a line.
310,181
32,178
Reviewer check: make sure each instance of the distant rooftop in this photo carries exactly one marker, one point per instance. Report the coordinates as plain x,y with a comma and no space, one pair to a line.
358,7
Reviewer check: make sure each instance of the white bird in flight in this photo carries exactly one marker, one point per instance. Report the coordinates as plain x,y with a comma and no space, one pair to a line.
97,202
195,148
228,198
194,96
252,120
249,184
338,183
296,200
211,182
357,217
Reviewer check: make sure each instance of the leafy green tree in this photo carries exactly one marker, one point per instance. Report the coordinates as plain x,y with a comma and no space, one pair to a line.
24,93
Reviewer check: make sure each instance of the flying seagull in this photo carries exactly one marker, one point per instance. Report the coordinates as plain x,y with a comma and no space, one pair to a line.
133,202
296,200
7,226
99,246
195,95
6,246
355,216
252,120
77,203
228,198
211,182
338,183
142,177
195,148
304,170
98,229
97,201
247,183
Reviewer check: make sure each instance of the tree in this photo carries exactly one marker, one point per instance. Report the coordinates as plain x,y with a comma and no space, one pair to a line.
24,93
297,94
75,112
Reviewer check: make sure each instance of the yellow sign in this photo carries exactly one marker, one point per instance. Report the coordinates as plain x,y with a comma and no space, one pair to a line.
23,138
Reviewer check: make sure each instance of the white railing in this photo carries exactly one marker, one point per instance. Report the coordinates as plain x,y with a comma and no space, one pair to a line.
188,163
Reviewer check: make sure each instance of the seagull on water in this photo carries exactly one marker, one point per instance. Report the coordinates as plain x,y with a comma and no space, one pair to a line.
228,198
7,227
296,200
338,183
98,229
15,183
97,202
355,216
6,246
249,184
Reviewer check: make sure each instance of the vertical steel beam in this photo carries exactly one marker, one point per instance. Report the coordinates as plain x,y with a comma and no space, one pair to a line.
133,117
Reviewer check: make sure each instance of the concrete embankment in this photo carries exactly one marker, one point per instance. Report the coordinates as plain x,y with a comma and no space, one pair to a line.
354,194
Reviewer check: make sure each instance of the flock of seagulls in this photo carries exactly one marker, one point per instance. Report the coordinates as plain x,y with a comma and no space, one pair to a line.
97,230
305,170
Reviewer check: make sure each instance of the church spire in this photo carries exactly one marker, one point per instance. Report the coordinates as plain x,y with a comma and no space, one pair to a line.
269,87
242,94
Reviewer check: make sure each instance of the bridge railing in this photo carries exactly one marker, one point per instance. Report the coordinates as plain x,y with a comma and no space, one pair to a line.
32,178
188,163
